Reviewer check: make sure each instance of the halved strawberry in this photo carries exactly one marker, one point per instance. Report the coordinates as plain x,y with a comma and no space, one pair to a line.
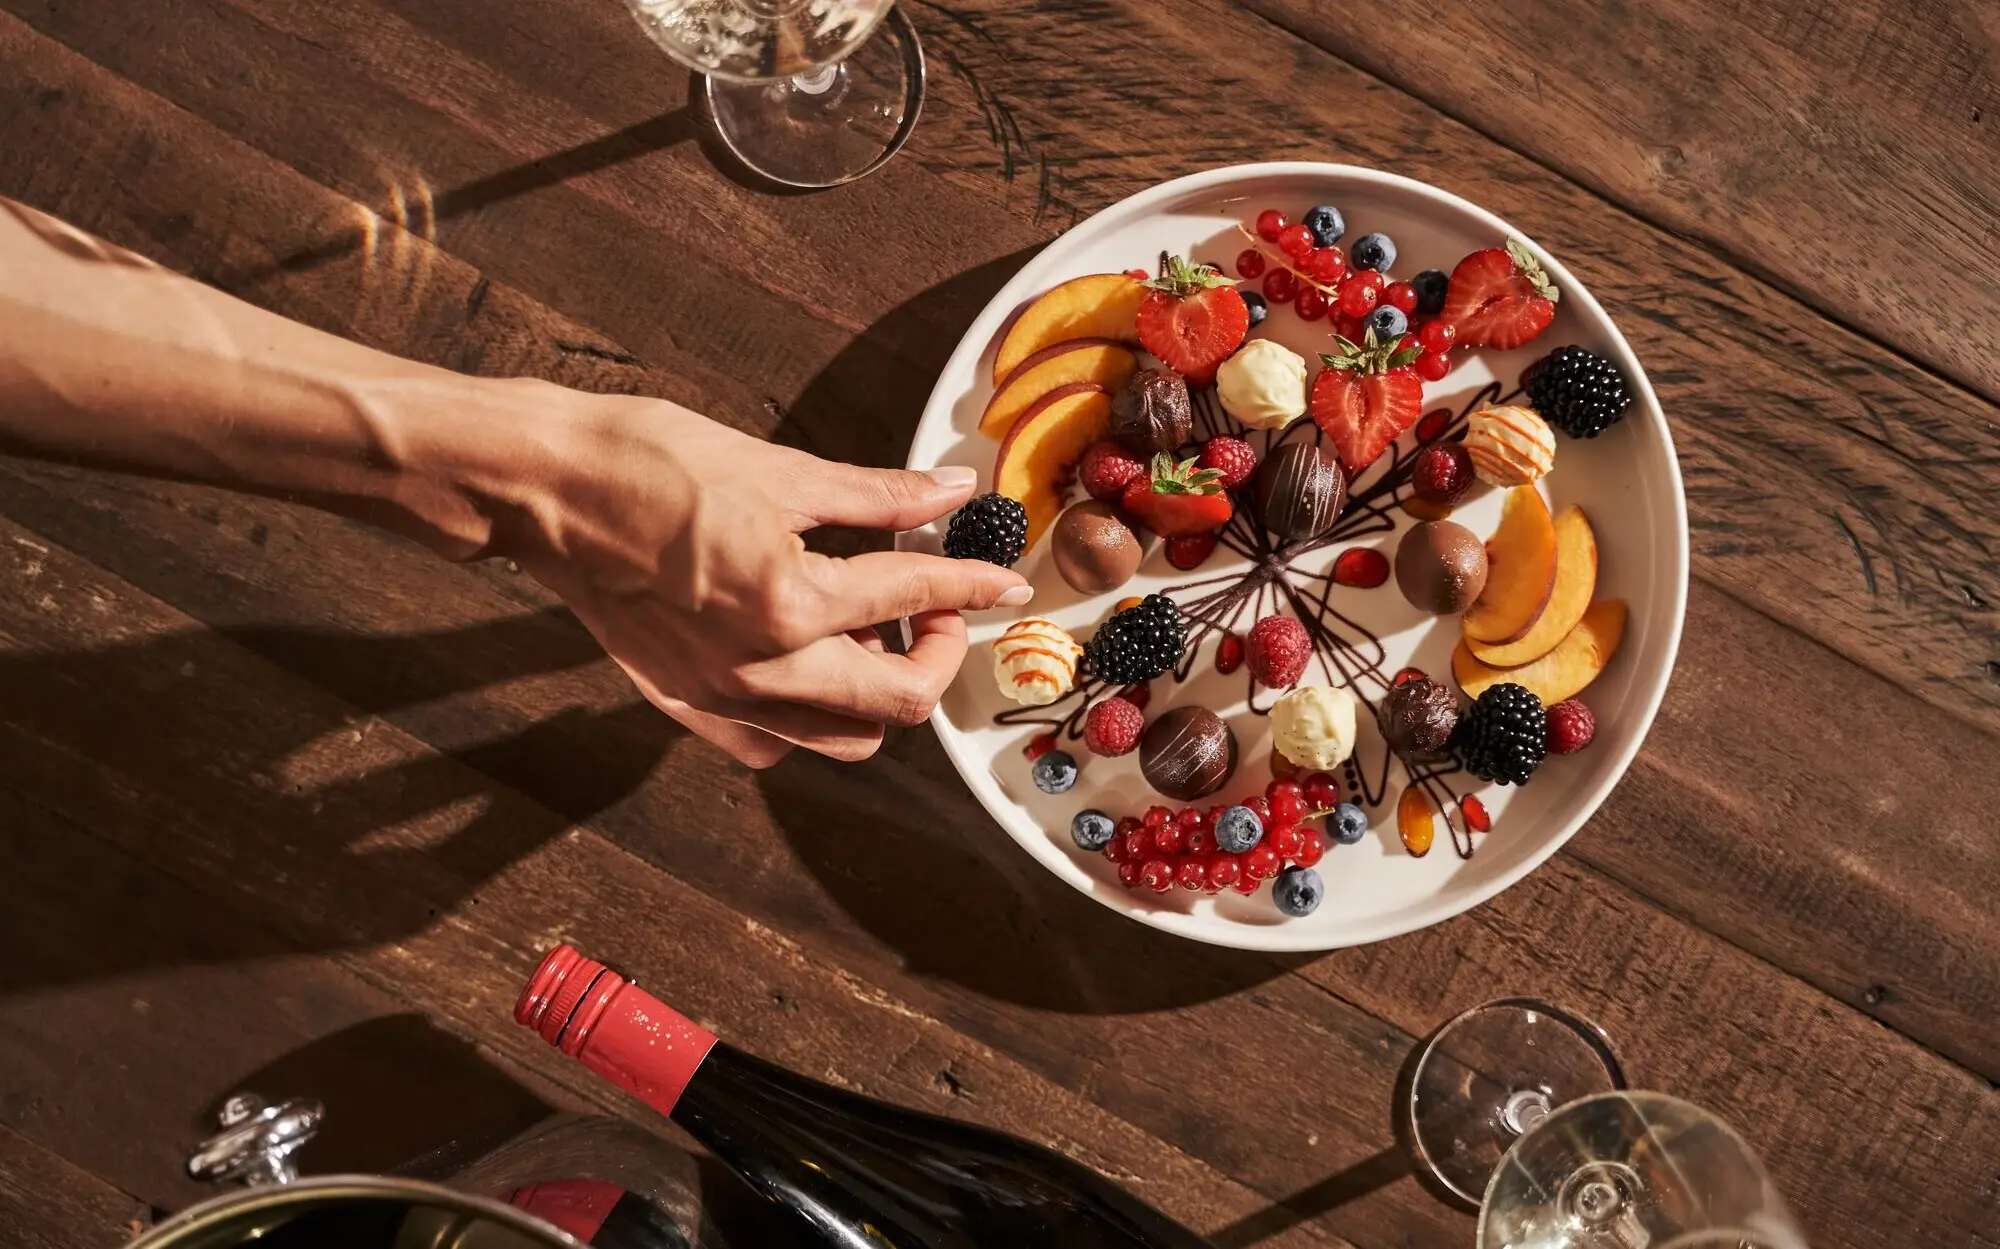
1176,499
1192,319
1365,396
1499,298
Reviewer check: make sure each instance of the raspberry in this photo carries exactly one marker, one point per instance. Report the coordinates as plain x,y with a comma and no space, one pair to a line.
1232,457
1570,726
1442,472
1187,551
1228,654
1106,469
1278,651
1112,728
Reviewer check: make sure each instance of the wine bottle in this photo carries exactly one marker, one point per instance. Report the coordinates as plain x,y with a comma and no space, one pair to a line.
600,1214
857,1172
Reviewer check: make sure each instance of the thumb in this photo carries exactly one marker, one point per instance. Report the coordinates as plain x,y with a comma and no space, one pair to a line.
879,498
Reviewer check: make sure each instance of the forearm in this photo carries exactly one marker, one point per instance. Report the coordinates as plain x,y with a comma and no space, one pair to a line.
109,361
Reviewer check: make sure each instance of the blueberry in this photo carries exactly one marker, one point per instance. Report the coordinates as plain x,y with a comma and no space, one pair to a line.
1297,891
1388,322
1258,308
1326,223
1238,829
1055,772
1091,829
1373,251
1431,286
1348,824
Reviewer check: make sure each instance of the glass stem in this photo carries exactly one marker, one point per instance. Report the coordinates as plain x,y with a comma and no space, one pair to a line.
1524,1109
819,82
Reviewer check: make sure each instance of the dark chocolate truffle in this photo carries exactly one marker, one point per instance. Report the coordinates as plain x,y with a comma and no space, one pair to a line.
1300,491
1440,566
1417,718
1187,753
1153,413
1095,549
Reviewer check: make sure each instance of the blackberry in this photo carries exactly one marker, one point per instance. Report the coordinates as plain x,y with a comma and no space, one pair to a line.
1579,393
1505,736
992,527
1137,644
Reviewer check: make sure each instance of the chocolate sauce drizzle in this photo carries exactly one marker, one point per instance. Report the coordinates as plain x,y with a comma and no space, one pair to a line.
1347,653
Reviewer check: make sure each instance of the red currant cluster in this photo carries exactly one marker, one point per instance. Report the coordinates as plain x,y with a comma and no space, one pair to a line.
1165,848
1320,283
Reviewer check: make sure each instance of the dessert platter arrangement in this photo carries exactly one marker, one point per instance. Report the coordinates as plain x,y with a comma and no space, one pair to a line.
1356,535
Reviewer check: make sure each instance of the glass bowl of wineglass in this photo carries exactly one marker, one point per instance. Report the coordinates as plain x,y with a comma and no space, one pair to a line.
1521,1109
806,93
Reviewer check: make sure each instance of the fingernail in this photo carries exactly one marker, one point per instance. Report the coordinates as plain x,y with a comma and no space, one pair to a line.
1016,597
954,477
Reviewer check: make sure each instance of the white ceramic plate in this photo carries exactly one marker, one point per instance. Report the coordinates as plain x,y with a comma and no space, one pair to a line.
1626,480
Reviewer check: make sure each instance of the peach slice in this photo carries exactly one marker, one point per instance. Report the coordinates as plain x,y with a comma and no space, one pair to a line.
1564,671
1416,821
1576,582
1098,361
1037,452
1100,305
1520,569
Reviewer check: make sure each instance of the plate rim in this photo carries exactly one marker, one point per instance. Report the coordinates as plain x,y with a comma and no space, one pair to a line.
1273,938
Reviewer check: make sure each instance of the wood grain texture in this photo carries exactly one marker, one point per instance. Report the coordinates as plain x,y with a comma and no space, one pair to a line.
48,1203
1848,152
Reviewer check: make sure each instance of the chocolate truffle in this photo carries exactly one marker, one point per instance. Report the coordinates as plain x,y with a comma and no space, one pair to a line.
1095,549
1153,413
1417,718
1187,753
1440,566
1300,491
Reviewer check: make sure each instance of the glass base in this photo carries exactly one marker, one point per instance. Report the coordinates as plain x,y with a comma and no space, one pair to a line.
1489,1076
832,126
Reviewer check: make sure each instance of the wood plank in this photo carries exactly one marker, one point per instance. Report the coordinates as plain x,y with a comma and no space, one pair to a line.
47,1202
1832,486
1873,149
233,788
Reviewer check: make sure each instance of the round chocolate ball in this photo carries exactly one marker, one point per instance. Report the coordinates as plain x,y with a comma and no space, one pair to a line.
1417,719
1095,549
1300,491
1440,566
1187,753
1153,414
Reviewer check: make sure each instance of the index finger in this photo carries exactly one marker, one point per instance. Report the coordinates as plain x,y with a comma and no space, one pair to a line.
862,590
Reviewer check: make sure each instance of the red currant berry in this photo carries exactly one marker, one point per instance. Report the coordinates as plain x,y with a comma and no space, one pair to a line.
1356,298
1431,426
1312,847
1400,296
1039,745
1191,874
1376,281
1229,653
1127,826
1224,869
1476,817
1433,365
1296,242
1138,275
1361,568
1199,841
1406,675
1250,263
1288,807
1322,792
1311,304
1326,266
1170,838
1156,816
1436,336
1138,846
1190,818
1270,224
1261,807
1115,850
1260,862
1282,785
1138,695
1280,286
1128,875
1247,884
1349,328
1285,841
1157,875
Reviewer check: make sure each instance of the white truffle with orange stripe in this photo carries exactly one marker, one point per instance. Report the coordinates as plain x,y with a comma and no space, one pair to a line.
1510,446
1034,661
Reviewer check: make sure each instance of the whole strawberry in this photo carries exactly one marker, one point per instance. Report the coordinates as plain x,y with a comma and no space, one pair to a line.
1277,651
1570,727
1499,298
1365,396
1177,499
1234,458
1112,728
1442,473
1106,469
1192,319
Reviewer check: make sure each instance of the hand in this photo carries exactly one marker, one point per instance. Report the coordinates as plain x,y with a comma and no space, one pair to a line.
676,541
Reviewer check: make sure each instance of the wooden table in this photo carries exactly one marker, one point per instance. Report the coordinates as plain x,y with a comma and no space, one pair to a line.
286,804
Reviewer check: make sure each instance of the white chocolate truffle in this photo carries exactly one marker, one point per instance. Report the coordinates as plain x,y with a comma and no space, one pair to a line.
1034,662
1313,726
1509,446
1263,385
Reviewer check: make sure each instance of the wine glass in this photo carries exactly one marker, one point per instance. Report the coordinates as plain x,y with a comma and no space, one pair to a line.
1521,1108
797,88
